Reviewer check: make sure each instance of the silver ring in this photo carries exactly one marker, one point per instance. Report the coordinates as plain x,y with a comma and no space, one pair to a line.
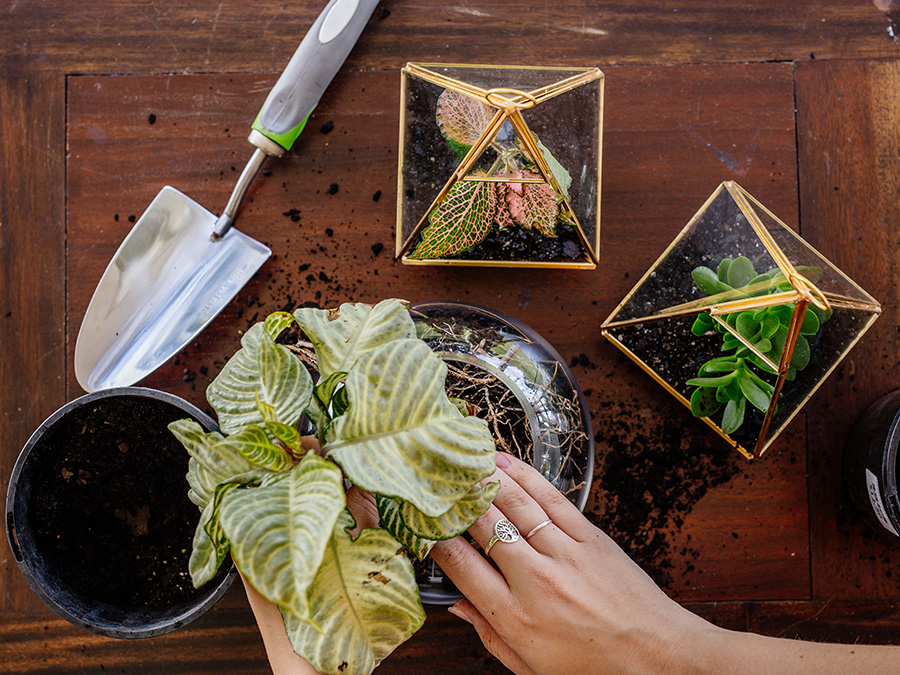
504,531
537,528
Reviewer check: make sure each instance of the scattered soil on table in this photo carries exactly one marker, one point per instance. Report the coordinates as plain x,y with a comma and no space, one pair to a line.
109,503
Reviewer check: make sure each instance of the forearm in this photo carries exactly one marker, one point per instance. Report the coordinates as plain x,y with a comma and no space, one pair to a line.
737,653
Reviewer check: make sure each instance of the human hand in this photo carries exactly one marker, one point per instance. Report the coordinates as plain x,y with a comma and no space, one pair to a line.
567,599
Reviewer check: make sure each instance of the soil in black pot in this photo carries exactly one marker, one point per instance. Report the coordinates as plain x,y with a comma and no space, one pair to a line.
109,503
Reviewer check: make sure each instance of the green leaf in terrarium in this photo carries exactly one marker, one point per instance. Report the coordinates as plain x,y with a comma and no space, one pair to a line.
740,272
800,357
461,220
712,381
733,417
718,365
210,543
532,205
703,402
253,444
260,371
745,324
770,326
722,271
341,336
365,602
279,532
462,119
810,323
752,390
563,178
456,520
402,437
764,345
211,463
722,395
706,280
702,324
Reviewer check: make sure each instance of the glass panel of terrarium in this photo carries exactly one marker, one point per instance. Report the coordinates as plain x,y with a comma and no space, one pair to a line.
826,349
428,161
506,77
567,127
719,230
510,210
808,261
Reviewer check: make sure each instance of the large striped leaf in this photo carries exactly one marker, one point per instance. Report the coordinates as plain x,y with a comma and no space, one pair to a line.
389,513
210,543
253,444
211,463
365,602
260,370
456,520
341,336
279,532
402,437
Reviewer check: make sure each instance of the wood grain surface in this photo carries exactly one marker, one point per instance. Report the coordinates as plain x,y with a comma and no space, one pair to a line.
794,101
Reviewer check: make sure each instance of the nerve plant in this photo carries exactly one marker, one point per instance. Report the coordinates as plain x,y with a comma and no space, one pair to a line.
736,378
276,500
511,193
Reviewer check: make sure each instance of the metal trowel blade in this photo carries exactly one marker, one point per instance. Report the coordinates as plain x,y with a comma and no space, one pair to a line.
166,282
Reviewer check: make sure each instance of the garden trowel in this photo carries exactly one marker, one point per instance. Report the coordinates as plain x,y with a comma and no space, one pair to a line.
181,265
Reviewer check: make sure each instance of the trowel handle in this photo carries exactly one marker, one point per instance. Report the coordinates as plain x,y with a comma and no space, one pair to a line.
309,72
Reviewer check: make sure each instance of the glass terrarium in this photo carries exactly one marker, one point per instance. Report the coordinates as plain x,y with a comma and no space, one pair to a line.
499,166
741,319
511,377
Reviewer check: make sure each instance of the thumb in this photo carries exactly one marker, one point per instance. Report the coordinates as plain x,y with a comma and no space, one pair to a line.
491,640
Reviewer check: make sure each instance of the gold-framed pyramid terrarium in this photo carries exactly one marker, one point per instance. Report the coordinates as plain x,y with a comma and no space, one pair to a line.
499,166
741,319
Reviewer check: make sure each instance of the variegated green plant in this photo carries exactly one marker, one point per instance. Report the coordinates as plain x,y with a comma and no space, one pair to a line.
384,423
483,199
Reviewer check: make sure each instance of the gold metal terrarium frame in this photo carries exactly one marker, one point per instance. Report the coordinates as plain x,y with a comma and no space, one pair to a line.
842,294
508,103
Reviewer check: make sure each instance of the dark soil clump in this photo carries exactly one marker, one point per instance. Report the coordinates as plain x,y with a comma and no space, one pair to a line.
112,514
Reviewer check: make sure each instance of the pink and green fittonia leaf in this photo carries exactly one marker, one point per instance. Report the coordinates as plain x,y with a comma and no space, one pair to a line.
462,119
461,220
532,205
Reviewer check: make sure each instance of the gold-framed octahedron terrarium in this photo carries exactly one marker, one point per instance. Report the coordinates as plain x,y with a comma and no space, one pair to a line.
741,319
499,166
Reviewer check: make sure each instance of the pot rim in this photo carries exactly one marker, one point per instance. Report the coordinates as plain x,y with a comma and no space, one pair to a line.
153,628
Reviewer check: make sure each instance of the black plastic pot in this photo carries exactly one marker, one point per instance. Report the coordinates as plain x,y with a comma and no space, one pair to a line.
870,464
34,500
552,401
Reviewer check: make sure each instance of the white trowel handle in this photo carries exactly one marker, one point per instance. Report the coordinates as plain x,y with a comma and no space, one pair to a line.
309,72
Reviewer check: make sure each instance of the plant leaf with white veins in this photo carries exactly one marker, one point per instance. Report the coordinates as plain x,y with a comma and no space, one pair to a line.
456,520
461,118
210,465
261,369
402,437
341,336
462,219
254,445
365,602
389,513
210,543
279,532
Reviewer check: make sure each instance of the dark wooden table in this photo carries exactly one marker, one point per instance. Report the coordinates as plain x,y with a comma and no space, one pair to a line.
797,102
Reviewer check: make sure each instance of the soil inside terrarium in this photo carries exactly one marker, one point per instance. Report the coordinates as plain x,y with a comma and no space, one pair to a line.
109,505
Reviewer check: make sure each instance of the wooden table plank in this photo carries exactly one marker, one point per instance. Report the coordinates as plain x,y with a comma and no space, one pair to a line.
131,36
32,279
849,143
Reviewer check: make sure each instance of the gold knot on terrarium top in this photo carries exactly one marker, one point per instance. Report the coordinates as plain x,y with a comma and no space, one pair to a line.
521,101
809,291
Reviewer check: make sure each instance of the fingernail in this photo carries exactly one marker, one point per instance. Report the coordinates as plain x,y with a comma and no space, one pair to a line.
503,460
